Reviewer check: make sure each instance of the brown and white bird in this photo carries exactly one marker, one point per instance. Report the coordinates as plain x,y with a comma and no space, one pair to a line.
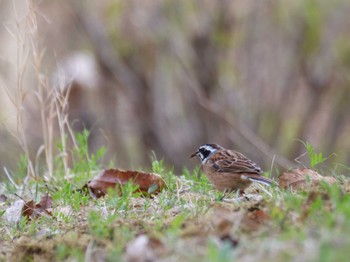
229,170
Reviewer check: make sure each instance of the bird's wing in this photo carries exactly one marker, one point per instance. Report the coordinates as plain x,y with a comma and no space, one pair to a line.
233,162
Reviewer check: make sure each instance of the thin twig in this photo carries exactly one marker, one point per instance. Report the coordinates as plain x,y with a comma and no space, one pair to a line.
272,162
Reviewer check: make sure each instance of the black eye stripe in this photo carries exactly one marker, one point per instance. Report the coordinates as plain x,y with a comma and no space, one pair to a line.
204,153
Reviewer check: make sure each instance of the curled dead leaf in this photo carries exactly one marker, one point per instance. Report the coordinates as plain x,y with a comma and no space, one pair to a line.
149,183
32,210
45,202
299,178
28,209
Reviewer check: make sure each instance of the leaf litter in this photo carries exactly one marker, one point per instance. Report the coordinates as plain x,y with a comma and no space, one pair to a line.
301,178
225,222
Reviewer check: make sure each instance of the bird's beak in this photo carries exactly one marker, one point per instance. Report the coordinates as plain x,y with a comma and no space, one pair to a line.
194,154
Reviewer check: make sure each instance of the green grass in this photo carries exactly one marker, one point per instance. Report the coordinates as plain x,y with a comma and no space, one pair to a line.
187,219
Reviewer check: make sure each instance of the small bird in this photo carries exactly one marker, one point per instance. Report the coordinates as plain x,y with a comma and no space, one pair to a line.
229,170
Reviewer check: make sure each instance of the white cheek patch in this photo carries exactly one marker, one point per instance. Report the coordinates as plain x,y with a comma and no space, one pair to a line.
201,156
205,158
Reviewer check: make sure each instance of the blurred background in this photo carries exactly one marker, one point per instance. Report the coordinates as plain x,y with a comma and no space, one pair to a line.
167,76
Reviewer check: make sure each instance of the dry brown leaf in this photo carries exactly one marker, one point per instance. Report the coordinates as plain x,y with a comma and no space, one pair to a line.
298,178
28,209
111,178
45,202
31,210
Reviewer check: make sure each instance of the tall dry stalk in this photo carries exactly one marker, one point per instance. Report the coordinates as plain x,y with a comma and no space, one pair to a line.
52,103
17,99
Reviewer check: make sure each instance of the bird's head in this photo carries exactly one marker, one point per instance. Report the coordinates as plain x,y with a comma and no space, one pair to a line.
205,151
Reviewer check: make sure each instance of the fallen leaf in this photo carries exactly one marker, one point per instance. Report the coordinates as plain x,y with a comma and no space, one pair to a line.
298,178
149,183
31,210
45,202
28,209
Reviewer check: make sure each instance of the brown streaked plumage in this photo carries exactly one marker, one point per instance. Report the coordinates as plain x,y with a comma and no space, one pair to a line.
229,170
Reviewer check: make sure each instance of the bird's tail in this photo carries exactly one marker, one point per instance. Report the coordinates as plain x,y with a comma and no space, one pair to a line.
259,179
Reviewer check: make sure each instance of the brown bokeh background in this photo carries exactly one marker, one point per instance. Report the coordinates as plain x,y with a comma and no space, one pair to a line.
168,76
